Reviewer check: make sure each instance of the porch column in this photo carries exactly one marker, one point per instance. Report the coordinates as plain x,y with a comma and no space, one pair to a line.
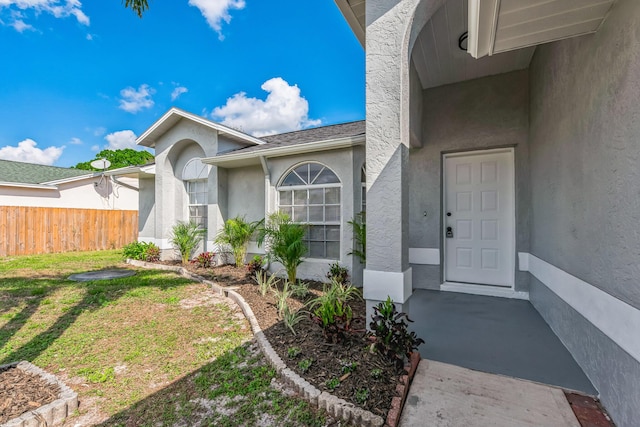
392,27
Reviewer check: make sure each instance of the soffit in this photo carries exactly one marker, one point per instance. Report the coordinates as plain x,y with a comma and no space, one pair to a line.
439,60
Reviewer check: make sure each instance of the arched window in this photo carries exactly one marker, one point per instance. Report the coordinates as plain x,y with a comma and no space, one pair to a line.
195,175
310,194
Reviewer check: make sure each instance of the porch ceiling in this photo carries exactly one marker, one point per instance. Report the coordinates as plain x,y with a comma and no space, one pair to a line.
502,34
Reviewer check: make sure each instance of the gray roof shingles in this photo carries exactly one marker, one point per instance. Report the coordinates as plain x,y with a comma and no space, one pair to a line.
29,173
323,133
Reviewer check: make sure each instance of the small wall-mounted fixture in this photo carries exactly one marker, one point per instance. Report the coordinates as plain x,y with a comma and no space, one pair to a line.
463,41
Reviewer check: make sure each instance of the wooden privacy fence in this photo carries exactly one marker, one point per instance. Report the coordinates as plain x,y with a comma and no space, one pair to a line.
31,230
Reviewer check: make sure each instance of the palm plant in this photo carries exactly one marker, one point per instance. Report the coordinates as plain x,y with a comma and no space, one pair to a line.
185,237
285,241
359,226
236,233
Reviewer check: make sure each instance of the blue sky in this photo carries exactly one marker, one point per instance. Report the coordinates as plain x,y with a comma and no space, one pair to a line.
79,77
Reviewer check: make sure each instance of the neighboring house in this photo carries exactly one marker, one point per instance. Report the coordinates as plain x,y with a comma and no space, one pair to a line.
47,209
208,173
28,184
516,174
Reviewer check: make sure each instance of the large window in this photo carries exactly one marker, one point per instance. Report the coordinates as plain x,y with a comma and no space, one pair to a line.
310,194
195,175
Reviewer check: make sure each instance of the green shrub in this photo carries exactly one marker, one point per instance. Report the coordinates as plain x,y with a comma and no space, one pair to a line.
338,273
332,311
185,237
285,242
255,265
141,251
392,339
236,234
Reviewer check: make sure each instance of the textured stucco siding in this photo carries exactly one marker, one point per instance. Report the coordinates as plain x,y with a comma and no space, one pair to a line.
612,370
585,155
484,113
585,170
245,189
147,208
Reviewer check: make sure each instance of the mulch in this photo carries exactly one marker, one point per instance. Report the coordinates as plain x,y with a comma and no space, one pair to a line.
22,391
360,372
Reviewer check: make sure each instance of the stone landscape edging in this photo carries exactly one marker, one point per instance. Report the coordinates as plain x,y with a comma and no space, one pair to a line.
336,407
50,414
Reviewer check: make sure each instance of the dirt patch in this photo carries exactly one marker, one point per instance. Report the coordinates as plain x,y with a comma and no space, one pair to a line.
22,391
363,377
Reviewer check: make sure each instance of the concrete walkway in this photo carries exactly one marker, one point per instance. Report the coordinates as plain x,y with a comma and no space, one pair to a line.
444,395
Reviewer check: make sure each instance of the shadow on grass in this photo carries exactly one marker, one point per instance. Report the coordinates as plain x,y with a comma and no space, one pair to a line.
234,389
97,294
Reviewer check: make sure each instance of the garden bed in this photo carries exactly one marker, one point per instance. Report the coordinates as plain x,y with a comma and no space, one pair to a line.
348,370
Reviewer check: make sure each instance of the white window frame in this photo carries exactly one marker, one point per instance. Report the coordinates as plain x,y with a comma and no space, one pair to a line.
324,223
192,176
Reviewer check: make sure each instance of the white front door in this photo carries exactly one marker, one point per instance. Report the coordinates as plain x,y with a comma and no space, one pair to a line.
479,217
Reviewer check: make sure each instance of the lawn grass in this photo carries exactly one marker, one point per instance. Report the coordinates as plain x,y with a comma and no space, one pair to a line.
150,349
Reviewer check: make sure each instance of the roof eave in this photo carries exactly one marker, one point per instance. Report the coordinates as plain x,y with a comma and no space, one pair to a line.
240,159
352,20
26,185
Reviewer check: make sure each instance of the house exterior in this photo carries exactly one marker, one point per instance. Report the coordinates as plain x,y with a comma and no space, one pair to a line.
209,173
28,184
503,158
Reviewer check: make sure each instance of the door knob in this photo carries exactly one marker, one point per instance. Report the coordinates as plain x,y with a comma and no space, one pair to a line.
448,213
449,232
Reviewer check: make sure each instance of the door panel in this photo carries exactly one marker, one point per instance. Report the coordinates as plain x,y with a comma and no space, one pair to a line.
479,208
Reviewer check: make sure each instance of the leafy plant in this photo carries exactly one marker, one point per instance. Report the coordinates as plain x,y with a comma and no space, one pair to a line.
281,298
348,367
305,364
291,318
332,311
119,159
204,260
361,395
265,282
142,251
338,273
300,289
255,265
359,226
185,237
389,328
376,373
284,241
152,253
236,234
332,384
293,352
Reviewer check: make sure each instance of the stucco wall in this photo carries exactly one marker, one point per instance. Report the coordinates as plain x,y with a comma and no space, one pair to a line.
483,113
245,189
147,208
585,170
83,194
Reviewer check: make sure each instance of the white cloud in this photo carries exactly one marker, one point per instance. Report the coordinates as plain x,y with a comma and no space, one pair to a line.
216,11
121,139
99,131
75,141
95,148
57,8
178,91
26,151
284,110
134,100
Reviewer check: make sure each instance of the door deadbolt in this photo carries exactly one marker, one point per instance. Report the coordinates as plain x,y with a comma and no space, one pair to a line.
449,233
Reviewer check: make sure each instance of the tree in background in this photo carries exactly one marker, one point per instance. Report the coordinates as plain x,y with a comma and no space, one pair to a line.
119,159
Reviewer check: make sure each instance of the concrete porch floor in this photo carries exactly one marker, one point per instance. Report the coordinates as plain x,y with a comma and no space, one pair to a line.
494,335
